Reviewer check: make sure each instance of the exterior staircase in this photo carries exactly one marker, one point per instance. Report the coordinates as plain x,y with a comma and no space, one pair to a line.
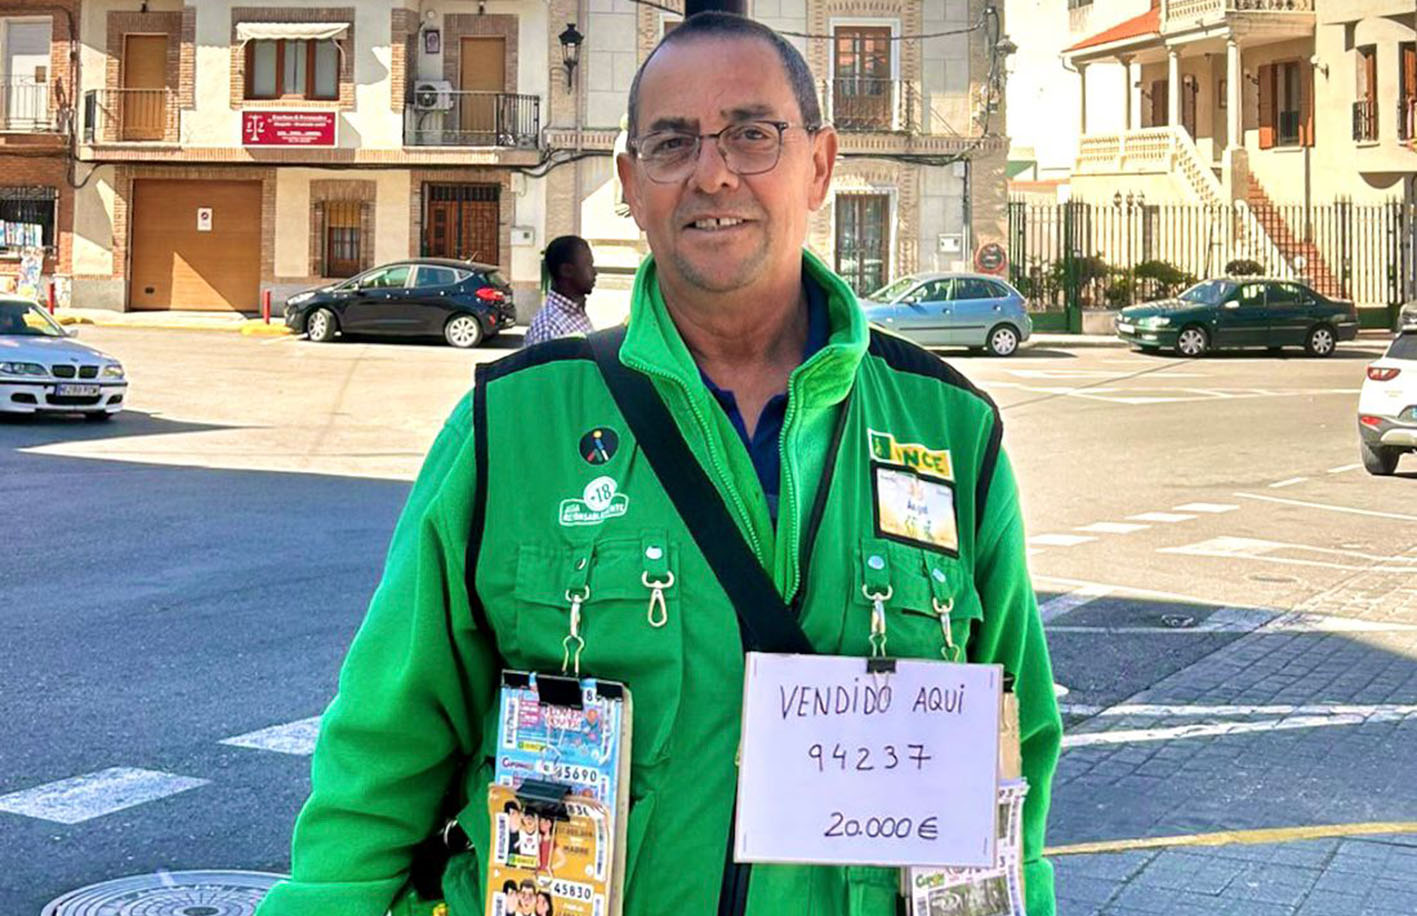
1315,268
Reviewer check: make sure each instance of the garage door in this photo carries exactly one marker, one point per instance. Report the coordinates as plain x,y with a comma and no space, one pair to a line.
196,245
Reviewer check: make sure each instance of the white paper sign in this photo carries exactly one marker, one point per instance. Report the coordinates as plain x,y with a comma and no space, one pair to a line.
204,219
844,767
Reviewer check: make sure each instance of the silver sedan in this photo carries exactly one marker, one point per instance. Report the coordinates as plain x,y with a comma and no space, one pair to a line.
953,310
43,370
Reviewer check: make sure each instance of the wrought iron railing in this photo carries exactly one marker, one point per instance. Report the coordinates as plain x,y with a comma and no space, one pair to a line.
472,118
860,104
1407,119
24,105
130,116
1183,13
1365,120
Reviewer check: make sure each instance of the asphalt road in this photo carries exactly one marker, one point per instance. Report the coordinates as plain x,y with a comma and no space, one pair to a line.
193,571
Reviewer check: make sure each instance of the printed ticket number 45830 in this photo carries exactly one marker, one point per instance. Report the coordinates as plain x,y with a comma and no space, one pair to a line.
842,766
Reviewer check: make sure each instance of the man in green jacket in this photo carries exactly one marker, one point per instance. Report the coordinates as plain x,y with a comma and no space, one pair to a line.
792,407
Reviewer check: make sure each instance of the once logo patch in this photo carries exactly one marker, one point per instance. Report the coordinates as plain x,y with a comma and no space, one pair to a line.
598,446
599,501
885,448
915,508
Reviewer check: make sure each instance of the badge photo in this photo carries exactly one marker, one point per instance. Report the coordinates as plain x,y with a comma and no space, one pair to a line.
914,508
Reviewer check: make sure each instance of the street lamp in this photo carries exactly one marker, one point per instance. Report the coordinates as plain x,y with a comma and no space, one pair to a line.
571,51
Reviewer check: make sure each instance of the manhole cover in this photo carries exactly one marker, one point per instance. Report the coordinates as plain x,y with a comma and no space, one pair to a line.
177,893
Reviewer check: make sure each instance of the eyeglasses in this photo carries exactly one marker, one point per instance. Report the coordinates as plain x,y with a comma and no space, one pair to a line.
747,148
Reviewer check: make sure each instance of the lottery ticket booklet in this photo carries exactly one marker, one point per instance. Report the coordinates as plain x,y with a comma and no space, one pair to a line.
576,733
996,891
549,858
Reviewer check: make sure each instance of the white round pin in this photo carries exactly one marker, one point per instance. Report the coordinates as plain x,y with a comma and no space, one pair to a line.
599,492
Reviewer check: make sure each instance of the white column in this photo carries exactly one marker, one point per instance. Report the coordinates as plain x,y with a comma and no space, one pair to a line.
1173,87
1127,91
1082,97
1234,97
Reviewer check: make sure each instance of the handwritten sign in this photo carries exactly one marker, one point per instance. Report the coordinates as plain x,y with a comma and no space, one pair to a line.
844,767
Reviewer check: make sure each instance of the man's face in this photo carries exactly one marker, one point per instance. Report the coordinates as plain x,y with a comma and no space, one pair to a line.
526,899
701,86
581,271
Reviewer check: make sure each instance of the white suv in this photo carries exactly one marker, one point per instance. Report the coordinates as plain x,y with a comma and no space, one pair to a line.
1387,406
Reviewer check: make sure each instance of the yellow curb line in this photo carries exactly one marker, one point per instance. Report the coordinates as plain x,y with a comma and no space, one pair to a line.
72,319
1237,837
258,328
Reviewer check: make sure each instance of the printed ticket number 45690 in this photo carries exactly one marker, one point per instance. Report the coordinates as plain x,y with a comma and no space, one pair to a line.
843,766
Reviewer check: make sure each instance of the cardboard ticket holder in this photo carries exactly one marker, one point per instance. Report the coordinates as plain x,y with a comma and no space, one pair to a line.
1010,752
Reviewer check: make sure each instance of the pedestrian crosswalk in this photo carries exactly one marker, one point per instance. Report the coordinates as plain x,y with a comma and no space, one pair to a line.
82,798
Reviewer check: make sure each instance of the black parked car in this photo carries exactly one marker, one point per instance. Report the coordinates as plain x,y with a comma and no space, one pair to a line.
463,301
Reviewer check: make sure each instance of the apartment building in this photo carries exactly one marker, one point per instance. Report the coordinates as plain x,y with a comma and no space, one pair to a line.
200,155
37,85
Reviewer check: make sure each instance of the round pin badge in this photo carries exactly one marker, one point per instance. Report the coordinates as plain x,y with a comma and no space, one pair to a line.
598,446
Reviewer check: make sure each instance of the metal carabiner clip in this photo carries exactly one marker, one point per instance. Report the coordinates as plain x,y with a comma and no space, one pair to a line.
574,636
942,610
658,610
878,618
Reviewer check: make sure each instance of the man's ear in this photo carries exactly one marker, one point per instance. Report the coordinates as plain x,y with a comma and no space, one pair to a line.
629,181
824,145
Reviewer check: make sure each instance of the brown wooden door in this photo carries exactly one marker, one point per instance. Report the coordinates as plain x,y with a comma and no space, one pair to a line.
176,265
1160,103
482,72
1188,107
862,89
462,221
142,104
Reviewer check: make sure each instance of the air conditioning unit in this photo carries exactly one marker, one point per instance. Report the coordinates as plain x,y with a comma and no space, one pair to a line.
433,95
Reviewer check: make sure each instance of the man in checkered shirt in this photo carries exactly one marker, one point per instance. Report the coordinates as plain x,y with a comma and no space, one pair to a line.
569,267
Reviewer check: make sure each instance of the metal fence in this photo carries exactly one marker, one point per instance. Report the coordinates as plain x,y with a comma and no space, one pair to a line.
1085,255
473,118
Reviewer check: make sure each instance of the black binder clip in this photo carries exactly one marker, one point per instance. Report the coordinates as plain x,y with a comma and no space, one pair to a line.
880,664
554,690
545,798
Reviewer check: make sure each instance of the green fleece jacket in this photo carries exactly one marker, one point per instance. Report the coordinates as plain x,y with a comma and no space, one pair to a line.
503,521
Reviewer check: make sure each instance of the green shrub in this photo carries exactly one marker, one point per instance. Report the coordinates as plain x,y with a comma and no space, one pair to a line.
1244,267
1161,280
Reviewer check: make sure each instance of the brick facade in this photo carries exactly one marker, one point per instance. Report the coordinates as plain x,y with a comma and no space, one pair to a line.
348,51
403,54
506,202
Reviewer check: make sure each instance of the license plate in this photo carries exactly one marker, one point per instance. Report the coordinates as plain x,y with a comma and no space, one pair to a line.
77,391
1125,328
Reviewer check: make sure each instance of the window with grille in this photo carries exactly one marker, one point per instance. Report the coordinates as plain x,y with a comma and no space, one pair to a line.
862,239
343,238
27,218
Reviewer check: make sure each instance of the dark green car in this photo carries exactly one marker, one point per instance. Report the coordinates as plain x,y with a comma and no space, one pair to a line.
1239,313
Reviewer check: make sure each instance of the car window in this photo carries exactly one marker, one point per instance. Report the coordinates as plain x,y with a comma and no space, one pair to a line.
1251,295
930,291
997,290
388,278
430,276
971,288
1404,346
24,320
1285,294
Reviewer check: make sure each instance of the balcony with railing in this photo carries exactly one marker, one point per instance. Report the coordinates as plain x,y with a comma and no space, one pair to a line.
1183,14
862,105
1407,119
1365,121
130,116
472,118
24,106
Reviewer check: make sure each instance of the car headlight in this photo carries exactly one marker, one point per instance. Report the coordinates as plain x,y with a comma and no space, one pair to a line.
113,370
22,369
1160,321
299,298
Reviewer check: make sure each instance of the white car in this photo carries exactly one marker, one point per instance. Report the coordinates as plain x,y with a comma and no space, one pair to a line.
1387,406
42,370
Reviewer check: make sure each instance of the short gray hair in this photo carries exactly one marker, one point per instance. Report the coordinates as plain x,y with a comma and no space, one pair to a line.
731,25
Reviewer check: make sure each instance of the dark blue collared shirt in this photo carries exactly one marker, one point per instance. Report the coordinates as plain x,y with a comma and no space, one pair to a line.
763,444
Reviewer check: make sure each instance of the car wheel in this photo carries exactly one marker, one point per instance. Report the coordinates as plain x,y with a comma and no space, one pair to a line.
463,331
1003,341
99,416
1320,341
320,326
1192,342
1379,460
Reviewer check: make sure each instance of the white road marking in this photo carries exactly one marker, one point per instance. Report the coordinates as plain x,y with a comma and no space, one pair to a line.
1112,528
1059,690
1344,467
1131,591
1387,711
1131,735
1079,709
82,798
1031,551
292,738
1287,483
1059,540
1308,505
1071,601
1213,508
1161,517
1254,549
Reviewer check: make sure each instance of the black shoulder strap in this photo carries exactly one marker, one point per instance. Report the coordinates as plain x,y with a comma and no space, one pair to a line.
765,621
